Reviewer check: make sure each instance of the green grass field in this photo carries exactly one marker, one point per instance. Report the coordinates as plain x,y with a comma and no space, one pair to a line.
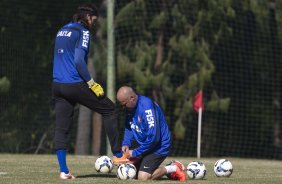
44,169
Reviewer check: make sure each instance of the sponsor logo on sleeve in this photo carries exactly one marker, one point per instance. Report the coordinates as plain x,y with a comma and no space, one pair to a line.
85,39
150,118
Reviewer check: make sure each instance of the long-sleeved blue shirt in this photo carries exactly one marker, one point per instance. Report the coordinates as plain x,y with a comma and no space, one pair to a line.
146,125
71,54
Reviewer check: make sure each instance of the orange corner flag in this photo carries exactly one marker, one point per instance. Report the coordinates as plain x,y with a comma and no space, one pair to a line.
198,101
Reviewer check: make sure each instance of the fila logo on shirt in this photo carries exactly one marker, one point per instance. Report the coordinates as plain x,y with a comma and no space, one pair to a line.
85,38
150,118
64,33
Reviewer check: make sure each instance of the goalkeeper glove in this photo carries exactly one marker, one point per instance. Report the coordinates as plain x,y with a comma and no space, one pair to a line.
96,88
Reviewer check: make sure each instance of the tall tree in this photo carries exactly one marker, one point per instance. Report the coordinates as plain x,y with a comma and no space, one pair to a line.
166,52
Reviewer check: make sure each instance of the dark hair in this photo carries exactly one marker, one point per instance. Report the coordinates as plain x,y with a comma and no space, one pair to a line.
83,10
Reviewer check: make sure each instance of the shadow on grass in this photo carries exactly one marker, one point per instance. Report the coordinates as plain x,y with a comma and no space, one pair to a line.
107,176
97,176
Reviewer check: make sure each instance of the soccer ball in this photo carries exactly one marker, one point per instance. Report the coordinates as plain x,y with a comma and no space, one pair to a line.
196,170
171,175
223,167
126,171
104,164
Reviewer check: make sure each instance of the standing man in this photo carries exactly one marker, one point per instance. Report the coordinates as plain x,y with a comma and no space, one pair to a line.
73,84
146,124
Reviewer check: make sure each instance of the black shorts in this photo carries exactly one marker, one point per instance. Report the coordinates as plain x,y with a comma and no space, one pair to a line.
150,163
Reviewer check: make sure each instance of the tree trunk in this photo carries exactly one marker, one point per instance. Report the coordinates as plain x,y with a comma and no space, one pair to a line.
160,49
158,62
96,136
83,131
275,75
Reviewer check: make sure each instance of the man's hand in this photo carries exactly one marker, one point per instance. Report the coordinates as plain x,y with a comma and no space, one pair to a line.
125,150
130,153
96,88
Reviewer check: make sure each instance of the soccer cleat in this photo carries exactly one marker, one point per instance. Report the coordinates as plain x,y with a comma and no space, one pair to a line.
179,173
65,176
121,160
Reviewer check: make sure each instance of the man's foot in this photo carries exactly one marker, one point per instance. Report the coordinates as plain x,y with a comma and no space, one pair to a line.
179,173
121,160
65,176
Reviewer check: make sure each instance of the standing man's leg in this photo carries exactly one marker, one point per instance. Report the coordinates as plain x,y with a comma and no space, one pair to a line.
64,118
106,108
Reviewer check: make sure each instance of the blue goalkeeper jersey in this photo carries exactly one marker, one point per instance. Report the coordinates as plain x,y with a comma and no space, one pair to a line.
146,125
68,68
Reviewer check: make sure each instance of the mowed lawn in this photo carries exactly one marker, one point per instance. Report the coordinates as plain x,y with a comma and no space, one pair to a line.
17,168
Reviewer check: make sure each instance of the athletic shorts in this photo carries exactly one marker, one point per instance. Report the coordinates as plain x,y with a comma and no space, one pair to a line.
150,163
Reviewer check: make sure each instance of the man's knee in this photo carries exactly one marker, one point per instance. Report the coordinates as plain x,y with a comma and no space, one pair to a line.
144,176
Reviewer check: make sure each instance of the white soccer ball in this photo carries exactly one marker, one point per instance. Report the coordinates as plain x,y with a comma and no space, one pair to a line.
223,167
196,170
104,164
126,171
171,175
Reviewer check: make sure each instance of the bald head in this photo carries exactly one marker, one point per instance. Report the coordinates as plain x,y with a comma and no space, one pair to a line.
127,97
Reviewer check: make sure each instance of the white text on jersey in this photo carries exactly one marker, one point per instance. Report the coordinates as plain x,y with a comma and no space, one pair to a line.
85,39
150,118
64,33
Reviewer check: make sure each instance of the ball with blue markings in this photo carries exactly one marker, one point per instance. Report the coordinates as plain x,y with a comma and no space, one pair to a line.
223,168
104,164
196,170
126,171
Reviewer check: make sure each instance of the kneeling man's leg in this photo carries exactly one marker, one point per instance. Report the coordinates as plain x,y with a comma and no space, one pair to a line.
149,167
